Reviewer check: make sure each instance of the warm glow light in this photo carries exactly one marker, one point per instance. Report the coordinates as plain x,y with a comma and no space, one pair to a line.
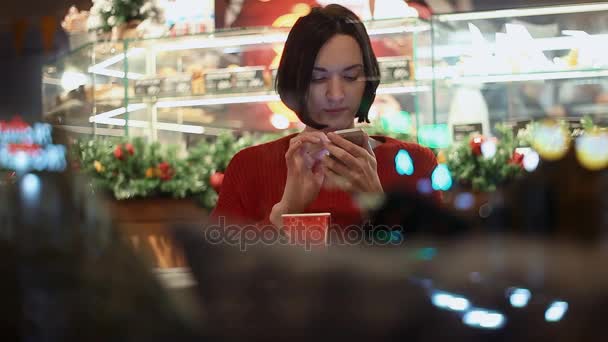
550,140
72,80
279,121
592,150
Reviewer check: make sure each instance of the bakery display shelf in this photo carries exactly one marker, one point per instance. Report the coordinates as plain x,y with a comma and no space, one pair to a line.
526,76
169,101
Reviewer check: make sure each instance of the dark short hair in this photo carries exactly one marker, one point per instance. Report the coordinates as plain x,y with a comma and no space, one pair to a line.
305,39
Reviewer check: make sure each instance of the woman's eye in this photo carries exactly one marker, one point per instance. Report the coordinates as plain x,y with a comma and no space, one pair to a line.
316,78
351,77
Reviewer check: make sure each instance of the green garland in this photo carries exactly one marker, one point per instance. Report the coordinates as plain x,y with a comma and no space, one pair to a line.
132,168
471,168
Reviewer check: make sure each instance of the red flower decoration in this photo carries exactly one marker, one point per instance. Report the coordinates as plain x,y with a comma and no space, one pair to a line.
216,181
129,149
16,124
517,159
475,144
166,172
118,153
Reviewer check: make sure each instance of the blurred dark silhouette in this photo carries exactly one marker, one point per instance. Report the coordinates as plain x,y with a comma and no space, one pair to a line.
469,289
561,200
67,274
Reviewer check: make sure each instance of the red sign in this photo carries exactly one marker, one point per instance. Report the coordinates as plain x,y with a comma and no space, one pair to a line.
30,149
16,124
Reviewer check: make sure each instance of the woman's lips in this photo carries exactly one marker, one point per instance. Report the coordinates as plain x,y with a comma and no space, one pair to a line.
335,110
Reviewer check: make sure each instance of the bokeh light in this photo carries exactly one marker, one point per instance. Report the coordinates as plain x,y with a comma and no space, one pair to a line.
488,148
441,178
592,150
464,201
71,80
480,318
279,121
448,301
556,311
551,140
404,163
531,160
519,298
30,188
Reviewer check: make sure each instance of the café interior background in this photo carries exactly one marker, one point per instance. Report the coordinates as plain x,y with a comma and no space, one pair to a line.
20,89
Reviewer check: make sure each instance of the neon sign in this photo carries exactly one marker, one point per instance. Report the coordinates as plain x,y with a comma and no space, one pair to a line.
25,147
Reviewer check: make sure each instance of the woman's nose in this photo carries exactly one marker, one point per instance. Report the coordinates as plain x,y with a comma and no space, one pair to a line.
335,89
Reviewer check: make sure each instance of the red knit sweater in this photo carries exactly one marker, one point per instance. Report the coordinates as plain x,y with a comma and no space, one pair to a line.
255,179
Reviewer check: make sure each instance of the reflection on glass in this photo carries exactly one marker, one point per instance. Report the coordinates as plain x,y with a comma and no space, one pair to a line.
556,311
447,301
30,188
464,201
480,318
519,297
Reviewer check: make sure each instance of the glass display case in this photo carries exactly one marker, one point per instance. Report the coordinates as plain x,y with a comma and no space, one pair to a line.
179,89
519,65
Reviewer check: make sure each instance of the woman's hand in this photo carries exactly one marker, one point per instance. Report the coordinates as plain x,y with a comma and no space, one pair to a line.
304,174
352,168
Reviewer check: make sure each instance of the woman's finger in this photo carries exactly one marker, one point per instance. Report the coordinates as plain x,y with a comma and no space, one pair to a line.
367,144
291,151
343,156
346,145
337,167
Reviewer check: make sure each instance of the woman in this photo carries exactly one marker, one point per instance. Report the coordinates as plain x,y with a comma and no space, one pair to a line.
328,75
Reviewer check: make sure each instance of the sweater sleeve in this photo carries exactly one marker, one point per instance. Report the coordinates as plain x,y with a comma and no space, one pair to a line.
230,206
238,188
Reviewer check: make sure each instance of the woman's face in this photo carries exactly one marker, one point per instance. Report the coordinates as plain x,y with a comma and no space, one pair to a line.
337,84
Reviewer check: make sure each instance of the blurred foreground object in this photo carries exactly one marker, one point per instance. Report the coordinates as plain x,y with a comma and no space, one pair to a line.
488,288
77,280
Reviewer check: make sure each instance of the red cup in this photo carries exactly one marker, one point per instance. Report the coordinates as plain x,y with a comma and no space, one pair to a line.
308,230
